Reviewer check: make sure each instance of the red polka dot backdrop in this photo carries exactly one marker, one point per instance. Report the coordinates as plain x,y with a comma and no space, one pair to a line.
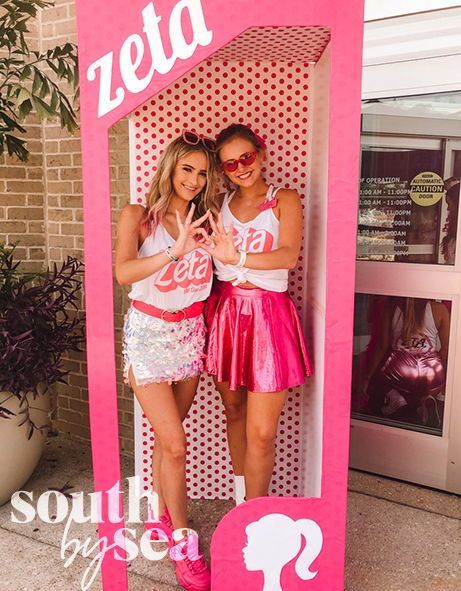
279,44
271,96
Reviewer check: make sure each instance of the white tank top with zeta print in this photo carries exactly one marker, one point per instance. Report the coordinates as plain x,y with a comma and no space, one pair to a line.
178,284
261,234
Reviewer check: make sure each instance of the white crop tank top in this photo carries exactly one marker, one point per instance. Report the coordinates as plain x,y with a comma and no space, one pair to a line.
261,234
426,340
177,285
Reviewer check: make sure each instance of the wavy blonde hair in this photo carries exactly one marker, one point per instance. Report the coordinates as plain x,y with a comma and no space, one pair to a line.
161,190
413,310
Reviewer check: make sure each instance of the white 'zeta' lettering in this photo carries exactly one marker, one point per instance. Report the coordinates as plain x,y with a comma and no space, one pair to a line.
253,240
195,269
106,104
132,52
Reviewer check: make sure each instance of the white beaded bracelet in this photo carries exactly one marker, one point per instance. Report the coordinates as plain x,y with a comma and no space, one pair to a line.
170,255
242,259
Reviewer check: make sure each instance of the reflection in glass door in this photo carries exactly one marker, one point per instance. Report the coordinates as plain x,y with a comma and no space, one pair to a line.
450,204
400,361
402,210
406,389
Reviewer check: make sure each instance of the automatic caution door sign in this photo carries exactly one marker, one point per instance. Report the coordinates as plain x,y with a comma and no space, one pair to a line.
426,188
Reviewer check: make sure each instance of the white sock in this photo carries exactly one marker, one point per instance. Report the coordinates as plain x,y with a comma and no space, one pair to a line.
239,489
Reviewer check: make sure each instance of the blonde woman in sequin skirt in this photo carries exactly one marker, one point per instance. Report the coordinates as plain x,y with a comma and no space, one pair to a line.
158,252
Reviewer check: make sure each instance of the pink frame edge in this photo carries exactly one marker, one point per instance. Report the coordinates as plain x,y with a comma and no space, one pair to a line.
102,27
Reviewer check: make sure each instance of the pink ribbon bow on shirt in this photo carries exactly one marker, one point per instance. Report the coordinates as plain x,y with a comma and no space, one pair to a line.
268,204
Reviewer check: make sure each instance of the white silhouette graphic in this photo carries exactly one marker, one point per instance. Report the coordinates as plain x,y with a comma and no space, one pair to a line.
275,540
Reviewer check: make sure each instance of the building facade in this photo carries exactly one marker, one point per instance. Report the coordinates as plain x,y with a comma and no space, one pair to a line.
406,402
408,254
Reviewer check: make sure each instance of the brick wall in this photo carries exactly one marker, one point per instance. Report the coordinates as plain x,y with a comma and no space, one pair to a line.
21,203
72,399
120,190
41,205
62,154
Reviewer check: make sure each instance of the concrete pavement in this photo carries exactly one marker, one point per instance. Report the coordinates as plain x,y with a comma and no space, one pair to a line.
400,537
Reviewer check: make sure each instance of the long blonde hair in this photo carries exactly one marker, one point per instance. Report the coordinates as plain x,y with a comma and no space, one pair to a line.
413,310
161,190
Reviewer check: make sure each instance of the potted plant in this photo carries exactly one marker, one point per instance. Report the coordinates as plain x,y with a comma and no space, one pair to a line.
39,323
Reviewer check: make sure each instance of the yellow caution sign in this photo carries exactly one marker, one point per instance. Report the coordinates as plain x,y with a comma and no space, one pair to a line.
426,188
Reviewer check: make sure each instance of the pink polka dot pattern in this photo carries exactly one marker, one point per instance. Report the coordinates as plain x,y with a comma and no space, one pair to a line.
272,98
280,44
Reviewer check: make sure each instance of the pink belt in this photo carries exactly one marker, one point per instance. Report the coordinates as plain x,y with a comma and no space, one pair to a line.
191,311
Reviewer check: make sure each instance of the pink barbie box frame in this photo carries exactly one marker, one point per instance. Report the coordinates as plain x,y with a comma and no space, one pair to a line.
129,52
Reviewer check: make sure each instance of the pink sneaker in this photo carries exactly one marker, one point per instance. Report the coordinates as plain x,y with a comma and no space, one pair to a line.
165,525
192,571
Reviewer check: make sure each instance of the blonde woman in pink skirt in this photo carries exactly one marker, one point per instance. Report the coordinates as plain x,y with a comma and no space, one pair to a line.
256,348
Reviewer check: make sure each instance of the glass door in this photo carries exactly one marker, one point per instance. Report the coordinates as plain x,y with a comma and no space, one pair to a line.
406,388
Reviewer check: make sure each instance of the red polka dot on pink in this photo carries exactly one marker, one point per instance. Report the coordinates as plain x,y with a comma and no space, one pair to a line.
271,95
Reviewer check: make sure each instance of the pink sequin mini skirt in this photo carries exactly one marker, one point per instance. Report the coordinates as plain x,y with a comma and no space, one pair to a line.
160,351
255,339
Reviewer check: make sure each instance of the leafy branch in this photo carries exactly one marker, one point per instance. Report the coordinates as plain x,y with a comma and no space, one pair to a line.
25,85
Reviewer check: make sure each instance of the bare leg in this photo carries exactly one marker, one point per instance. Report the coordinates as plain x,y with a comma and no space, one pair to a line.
263,413
160,407
236,415
184,393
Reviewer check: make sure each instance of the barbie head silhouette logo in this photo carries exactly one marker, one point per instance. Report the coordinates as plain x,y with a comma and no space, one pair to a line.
275,540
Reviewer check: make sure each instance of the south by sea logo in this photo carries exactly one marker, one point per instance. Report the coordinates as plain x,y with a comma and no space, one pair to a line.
54,507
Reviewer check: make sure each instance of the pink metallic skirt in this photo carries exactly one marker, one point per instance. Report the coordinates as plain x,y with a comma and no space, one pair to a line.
414,374
255,339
